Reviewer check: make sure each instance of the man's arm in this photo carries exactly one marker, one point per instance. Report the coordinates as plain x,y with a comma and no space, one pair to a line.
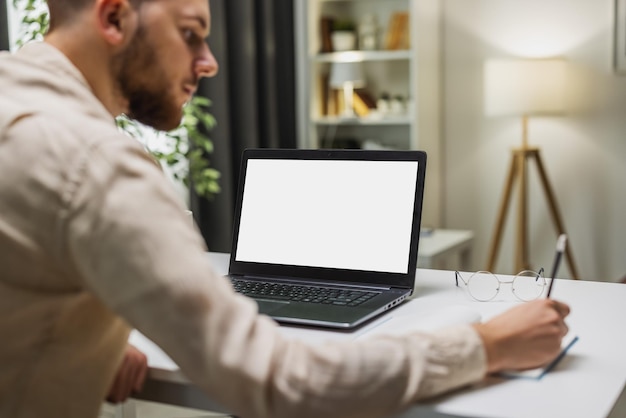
130,240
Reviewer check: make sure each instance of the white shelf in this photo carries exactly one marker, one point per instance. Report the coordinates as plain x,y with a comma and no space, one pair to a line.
387,72
333,120
345,1
354,56
413,74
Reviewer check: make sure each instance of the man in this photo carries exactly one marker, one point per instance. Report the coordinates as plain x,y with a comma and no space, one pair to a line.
93,242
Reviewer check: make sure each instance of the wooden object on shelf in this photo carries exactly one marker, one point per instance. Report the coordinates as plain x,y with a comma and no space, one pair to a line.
367,98
398,32
391,39
341,102
326,29
333,107
360,108
363,103
322,94
405,32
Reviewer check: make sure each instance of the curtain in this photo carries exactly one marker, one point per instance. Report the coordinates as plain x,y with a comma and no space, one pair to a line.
253,98
4,26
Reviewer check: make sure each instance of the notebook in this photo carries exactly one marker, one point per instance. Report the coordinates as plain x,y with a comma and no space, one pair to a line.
327,237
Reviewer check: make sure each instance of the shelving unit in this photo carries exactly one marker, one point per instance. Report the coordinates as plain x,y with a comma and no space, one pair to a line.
362,56
336,120
413,74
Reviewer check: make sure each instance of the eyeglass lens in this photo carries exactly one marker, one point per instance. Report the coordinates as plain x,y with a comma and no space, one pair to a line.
483,285
527,285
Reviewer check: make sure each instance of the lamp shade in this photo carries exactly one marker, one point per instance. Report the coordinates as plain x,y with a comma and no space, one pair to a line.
525,87
346,72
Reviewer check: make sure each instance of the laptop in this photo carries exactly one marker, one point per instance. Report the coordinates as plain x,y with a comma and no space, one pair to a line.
327,237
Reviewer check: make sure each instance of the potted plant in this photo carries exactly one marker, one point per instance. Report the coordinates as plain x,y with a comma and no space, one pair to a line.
182,152
344,35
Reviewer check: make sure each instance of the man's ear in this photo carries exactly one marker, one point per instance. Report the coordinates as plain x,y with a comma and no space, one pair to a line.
116,20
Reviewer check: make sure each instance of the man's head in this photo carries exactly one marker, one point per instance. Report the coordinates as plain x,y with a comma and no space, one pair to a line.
155,51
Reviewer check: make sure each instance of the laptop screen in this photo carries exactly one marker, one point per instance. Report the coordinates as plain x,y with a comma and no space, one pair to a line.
328,213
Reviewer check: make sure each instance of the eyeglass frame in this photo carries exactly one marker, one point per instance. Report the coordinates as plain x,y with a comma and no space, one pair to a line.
538,274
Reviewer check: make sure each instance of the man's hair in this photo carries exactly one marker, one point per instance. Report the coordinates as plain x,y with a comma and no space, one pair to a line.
63,11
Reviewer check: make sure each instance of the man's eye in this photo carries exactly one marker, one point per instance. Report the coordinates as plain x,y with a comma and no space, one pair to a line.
191,37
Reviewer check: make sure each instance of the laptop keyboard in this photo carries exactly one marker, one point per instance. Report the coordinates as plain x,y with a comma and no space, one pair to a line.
301,293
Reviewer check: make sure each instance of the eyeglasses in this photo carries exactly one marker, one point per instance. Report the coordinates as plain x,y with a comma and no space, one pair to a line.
483,286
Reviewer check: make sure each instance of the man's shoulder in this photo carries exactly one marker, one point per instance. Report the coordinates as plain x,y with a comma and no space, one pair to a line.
69,145
38,80
36,125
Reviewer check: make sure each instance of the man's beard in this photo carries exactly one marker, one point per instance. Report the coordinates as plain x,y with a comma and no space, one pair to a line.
144,84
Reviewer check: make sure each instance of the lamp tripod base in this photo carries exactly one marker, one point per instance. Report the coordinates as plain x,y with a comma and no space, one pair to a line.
518,172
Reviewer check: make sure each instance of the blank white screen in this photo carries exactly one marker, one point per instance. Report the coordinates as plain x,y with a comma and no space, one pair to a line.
353,215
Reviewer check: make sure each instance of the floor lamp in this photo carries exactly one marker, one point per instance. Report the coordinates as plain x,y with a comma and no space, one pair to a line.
525,88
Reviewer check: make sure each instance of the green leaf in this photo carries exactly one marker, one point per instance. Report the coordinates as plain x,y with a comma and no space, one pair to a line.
211,174
200,101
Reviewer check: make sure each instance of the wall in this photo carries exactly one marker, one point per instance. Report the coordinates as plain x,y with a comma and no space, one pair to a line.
584,151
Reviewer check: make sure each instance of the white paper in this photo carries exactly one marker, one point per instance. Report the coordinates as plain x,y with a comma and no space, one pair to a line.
425,321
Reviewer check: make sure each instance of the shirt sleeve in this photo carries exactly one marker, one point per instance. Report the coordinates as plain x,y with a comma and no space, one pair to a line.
130,241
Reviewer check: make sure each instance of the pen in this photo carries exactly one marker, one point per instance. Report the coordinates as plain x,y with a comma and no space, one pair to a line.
560,248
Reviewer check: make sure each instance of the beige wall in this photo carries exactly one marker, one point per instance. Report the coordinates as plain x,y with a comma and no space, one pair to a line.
585,151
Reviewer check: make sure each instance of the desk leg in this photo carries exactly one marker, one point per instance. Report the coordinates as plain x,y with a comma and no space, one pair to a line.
126,410
465,258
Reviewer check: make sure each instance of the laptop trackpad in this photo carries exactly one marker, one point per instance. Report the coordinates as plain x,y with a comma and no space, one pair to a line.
267,306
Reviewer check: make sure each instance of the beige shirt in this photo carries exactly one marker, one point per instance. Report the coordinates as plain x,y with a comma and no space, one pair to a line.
91,232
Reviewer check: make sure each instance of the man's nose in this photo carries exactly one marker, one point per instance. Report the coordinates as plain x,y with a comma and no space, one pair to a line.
206,65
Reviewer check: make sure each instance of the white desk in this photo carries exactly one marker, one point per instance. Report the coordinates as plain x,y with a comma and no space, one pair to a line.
445,249
587,383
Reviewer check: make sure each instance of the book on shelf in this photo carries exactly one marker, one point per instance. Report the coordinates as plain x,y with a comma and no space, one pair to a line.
340,101
366,97
398,32
332,107
326,28
323,92
405,33
362,101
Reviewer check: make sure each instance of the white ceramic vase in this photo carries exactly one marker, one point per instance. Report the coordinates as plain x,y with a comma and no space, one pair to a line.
343,40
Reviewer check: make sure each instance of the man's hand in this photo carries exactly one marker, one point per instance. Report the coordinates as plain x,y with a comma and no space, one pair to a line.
130,376
526,336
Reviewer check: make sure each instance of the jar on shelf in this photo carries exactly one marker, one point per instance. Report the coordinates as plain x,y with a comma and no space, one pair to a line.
397,105
382,104
368,33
